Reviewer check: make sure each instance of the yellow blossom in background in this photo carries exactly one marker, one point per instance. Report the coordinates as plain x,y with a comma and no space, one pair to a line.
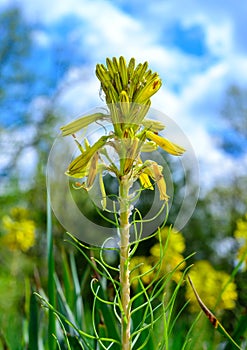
173,250
141,266
20,231
173,254
210,285
241,235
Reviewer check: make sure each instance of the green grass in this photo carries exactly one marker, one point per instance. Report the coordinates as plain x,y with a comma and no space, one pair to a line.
80,308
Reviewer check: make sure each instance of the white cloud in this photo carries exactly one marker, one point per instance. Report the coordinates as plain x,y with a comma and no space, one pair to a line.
81,93
219,38
44,11
224,22
41,38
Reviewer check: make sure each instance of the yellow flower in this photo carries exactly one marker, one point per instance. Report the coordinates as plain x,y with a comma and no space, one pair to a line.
79,166
20,231
159,179
167,145
210,285
141,267
151,169
173,254
241,235
144,266
145,181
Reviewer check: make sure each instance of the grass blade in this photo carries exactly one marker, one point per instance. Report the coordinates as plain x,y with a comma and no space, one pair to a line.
33,324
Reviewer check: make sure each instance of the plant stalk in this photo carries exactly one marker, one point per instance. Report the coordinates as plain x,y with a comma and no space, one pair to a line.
125,212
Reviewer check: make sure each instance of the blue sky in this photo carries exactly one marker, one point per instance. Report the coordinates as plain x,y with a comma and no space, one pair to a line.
198,47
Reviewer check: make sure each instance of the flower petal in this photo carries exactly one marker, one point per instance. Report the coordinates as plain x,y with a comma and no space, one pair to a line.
153,125
92,172
145,182
149,89
81,123
79,165
149,146
165,144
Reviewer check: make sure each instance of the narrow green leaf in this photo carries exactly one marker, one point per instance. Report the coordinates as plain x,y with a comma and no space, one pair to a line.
33,328
69,288
75,343
84,336
78,311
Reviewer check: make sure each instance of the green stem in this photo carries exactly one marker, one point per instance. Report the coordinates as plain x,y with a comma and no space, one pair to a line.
51,281
125,211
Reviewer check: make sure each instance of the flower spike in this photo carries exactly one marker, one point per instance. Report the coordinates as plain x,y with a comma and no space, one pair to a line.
128,88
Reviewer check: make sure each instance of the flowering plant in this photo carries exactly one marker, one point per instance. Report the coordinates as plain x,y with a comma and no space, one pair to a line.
130,309
127,92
